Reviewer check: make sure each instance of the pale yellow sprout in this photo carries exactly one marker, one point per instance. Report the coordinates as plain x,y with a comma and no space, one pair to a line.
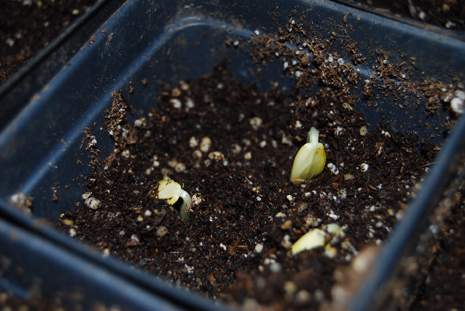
172,192
313,239
310,160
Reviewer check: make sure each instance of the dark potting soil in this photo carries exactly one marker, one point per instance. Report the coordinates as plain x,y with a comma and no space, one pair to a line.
10,303
443,286
449,14
27,26
231,147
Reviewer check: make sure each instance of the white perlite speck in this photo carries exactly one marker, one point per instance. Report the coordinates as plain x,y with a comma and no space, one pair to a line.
255,122
139,122
193,142
72,232
258,248
162,231
135,238
205,144
272,264
303,296
180,167
176,103
450,24
189,269
333,168
364,167
363,131
236,149
460,94
196,199
457,105
216,156
126,153
90,201
332,215
21,200
10,42
190,103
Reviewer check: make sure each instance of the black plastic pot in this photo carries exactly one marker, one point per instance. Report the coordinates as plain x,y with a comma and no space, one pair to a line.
169,41
36,72
33,269
458,34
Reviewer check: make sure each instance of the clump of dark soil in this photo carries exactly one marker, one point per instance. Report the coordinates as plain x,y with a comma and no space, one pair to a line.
449,14
231,146
27,26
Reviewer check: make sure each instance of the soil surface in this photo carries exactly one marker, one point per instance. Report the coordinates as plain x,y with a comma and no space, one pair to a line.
27,26
446,279
231,146
449,14
11,303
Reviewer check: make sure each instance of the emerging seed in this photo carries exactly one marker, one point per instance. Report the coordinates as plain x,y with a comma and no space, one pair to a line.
313,239
172,193
310,160
324,237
